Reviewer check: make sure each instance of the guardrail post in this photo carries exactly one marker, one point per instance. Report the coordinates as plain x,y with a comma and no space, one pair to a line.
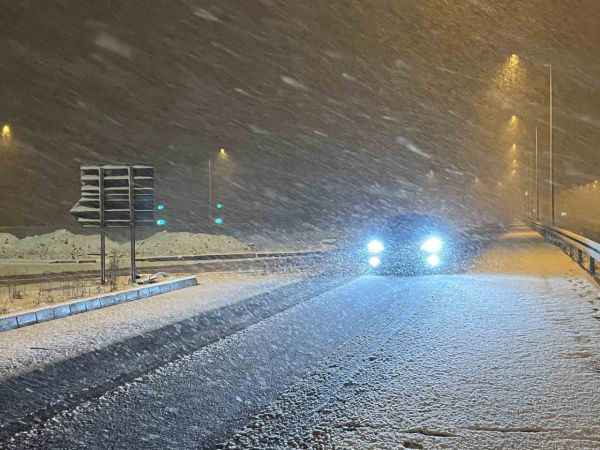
592,267
579,256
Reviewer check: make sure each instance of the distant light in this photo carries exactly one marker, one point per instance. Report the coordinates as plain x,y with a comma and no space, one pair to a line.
513,119
161,222
160,206
432,245
219,205
6,132
514,59
476,180
223,154
433,260
514,172
219,221
375,246
526,193
563,214
514,147
374,261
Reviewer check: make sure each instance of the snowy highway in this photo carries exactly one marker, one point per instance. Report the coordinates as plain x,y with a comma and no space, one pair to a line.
506,355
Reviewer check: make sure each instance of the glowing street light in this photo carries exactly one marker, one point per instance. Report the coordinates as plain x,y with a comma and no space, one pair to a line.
6,133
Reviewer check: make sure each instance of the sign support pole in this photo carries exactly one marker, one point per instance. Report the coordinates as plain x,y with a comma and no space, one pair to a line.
102,231
132,224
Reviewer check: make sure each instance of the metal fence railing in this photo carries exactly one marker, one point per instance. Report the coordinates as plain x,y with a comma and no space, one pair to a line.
582,250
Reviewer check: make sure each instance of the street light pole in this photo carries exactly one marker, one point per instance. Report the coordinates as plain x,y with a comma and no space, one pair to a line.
537,181
551,153
210,190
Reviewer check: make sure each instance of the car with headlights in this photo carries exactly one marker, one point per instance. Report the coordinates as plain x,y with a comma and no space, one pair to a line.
410,243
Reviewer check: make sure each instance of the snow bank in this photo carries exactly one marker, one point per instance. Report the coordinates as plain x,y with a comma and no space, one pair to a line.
183,243
63,244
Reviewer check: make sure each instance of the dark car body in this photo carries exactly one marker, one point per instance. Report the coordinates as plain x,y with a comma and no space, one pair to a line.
403,238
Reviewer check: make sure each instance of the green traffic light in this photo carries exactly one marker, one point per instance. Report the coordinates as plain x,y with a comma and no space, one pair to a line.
219,205
219,221
161,222
160,206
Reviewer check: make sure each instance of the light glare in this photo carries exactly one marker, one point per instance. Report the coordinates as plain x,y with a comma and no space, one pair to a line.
432,245
375,246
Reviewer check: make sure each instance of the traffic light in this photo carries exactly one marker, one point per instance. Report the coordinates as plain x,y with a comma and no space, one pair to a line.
161,221
219,218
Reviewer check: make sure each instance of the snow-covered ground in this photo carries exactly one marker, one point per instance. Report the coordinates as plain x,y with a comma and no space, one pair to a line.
29,348
498,361
506,356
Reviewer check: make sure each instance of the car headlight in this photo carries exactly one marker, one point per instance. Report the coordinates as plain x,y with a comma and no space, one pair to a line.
433,260
375,246
374,261
432,244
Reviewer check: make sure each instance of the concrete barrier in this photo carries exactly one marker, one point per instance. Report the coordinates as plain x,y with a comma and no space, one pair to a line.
26,318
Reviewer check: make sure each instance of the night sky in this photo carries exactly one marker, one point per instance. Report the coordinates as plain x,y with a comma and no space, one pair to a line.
331,112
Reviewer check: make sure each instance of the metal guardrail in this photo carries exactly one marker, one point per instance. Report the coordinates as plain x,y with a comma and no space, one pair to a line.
228,256
582,250
225,262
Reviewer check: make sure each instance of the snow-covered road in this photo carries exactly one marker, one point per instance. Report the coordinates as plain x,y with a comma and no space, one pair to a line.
505,356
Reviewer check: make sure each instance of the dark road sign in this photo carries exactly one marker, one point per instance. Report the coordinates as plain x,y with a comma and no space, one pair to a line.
114,196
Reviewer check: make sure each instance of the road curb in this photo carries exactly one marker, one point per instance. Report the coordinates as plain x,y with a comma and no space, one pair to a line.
59,311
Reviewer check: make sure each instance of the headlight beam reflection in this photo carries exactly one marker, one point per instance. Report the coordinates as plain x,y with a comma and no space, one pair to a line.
433,260
374,261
